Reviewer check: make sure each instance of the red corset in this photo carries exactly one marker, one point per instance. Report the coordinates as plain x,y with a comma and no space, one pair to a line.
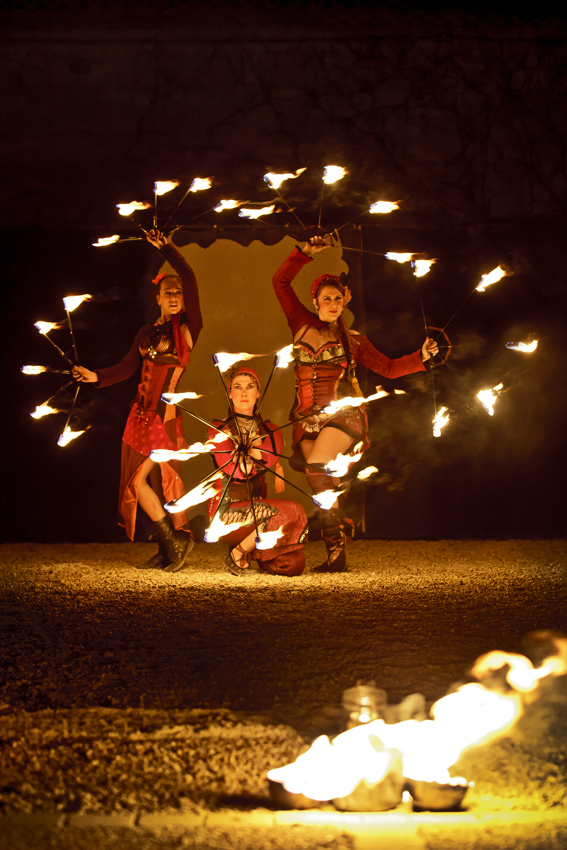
319,375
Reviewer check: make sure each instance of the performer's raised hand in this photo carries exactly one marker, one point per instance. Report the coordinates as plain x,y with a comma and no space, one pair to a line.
83,375
156,238
314,245
429,348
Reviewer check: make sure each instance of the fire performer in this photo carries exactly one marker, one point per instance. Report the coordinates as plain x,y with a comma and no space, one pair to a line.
282,520
163,351
325,356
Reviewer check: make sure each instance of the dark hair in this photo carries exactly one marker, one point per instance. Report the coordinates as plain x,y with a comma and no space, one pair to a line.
167,278
345,336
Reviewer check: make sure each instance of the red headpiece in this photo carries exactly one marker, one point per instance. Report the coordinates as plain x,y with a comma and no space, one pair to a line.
330,280
243,370
158,279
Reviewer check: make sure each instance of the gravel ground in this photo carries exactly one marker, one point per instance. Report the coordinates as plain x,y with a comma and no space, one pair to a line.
123,690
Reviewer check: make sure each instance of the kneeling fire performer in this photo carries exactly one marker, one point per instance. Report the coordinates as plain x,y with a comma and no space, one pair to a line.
163,351
281,524
325,355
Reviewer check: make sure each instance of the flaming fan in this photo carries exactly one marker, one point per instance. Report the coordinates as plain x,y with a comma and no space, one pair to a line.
70,303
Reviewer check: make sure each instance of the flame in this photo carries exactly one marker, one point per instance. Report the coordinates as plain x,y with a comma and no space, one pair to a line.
161,187
488,398
398,258
340,465
45,327
106,240
471,715
492,277
224,360
439,421
68,435
165,455
367,472
523,346
227,205
383,207
268,539
250,213
218,528
200,184
175,398
353,401
201,493
43,410
274,181
333,173
33,370
71,302
128,209
396,392
326,499
284,357
421,267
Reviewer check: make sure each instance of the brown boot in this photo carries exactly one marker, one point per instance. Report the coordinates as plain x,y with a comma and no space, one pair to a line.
334,526
159,561
177,545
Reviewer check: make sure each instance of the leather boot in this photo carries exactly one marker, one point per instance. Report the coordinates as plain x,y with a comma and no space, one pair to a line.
159,561
177,545
334,530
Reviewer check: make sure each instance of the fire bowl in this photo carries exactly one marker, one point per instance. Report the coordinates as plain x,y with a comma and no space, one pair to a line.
378,796
286,800
436,797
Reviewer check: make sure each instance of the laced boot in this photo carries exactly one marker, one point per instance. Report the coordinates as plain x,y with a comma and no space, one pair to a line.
334,526
159,561
177,545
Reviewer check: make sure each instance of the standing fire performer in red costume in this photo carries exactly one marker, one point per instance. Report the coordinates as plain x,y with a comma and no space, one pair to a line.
325,356
163,351
263,445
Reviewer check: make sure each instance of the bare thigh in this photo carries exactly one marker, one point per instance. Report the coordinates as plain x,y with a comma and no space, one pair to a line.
329,443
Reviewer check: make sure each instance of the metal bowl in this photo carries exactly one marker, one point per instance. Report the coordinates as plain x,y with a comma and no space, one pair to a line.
436,797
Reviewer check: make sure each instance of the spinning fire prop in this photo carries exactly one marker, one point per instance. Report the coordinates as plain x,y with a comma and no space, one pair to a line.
367,767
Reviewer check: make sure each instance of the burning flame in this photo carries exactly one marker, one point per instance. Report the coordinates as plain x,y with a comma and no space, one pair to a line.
367,472
340,465
326,499
106,240
353,401
45,327
67,436
274,181
227,205
383,207
200,184
398,258
488,398
473,714
421,267
284,357
43,410
71,302
523,346
224,360
201,493
439,421
175,398
245,212
33,370
333,173
492,277
218,528
268,539
165,455
128,209
161,187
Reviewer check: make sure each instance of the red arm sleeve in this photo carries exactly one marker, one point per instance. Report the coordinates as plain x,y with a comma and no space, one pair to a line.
387,367
295,312
126,367
190,289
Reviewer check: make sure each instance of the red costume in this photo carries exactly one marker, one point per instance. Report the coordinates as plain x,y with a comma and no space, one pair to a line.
163,352
324,375
287,557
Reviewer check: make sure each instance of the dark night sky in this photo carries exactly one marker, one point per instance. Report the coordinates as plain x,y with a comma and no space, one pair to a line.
62,173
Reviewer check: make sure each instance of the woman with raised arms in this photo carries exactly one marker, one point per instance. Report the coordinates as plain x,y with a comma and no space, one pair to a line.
325,356
162,350
245,502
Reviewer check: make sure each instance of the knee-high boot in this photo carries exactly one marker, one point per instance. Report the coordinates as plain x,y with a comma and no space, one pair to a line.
333,525
178,545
